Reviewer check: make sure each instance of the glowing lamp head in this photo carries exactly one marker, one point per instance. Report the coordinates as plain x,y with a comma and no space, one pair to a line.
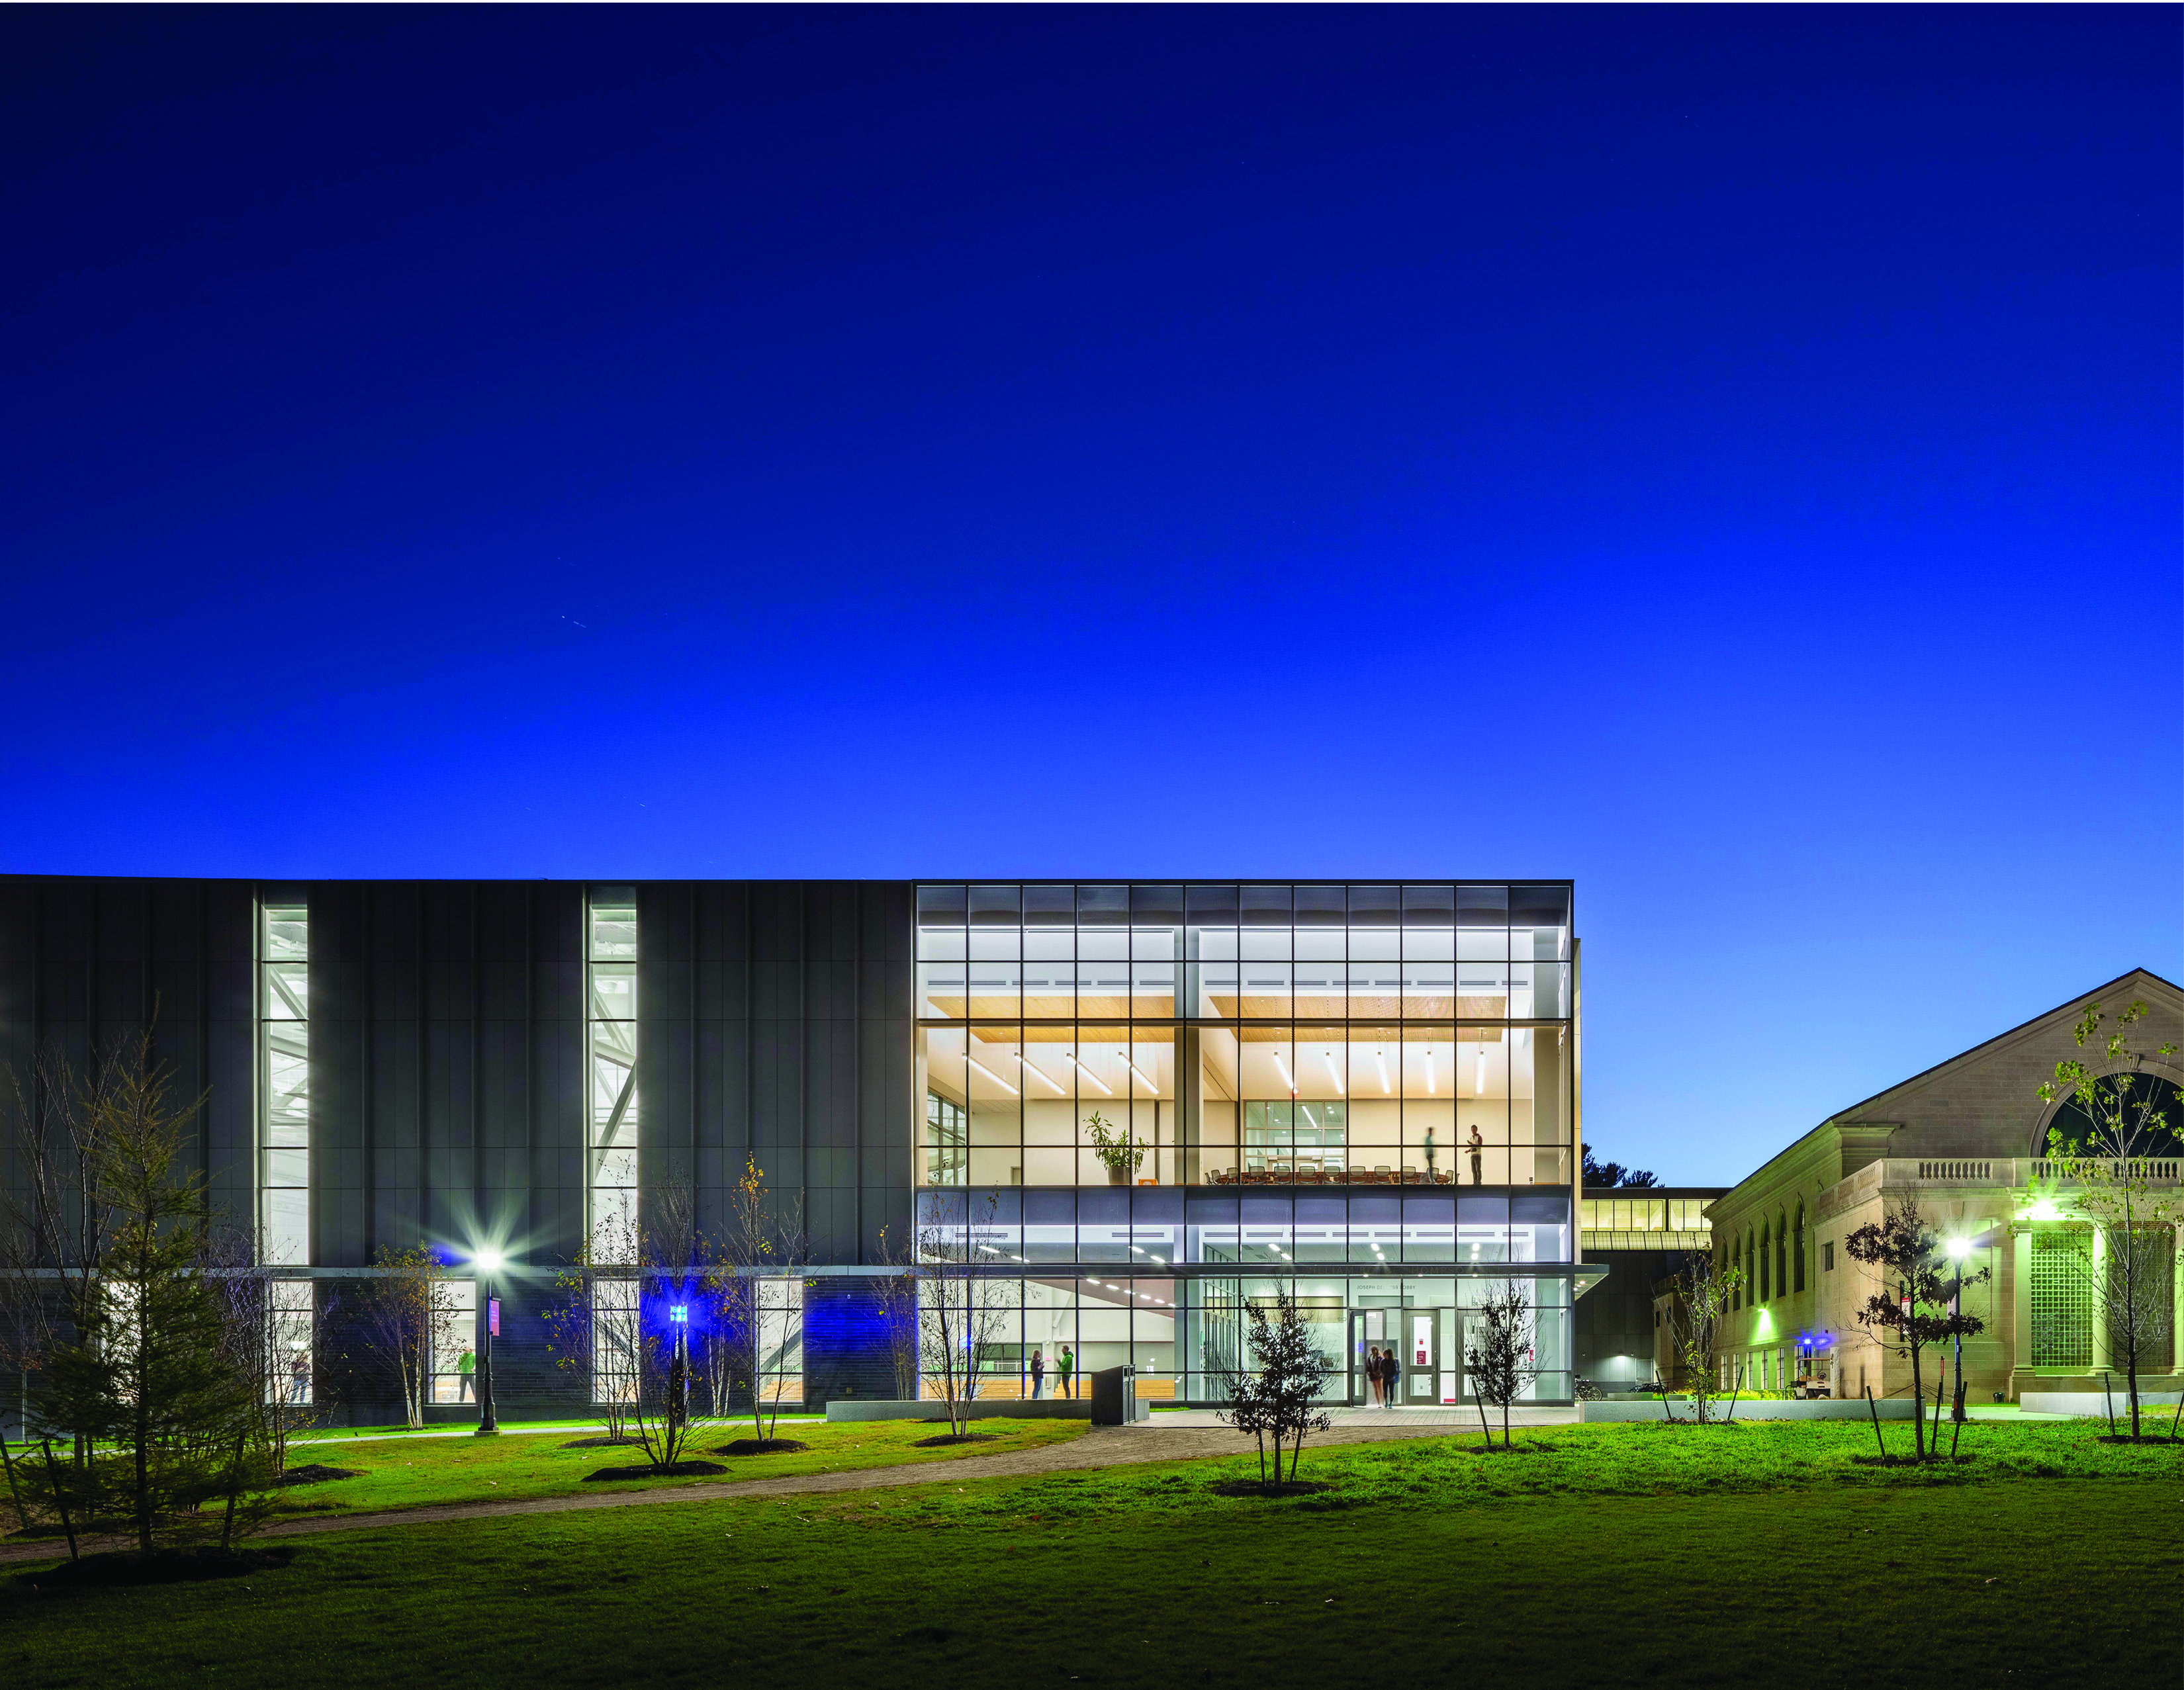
679,1313
1960,1249
486,1261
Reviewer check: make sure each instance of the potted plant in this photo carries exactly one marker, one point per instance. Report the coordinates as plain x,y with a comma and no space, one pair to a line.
1122,1153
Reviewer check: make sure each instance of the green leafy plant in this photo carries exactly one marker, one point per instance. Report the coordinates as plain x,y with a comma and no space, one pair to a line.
1122,1153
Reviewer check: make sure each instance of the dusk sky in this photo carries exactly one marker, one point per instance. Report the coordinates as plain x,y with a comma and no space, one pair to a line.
1729,458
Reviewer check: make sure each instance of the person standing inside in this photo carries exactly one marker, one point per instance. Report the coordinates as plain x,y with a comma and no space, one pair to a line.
466,1375
1064,1365
1038,1373
1476,1145
1430,1153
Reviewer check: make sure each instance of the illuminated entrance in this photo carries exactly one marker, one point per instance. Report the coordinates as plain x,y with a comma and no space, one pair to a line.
1429,1347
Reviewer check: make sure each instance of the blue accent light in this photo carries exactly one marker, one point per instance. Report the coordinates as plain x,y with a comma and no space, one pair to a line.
679,1313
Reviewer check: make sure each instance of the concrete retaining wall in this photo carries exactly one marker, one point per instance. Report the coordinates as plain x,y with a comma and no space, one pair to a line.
1894,1409
997,1407
2093,1402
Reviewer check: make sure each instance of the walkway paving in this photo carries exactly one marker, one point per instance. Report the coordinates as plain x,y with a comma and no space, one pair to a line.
1160,1439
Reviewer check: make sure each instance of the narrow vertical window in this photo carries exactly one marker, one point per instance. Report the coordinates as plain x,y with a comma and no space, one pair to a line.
284,1085
610,937
1798,1249
288,1313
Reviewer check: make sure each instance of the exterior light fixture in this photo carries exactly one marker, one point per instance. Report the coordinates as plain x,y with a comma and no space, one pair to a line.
991,1075
1960,1249
486,1261
679,1313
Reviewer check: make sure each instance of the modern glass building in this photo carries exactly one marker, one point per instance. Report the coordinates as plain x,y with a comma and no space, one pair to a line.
1139,1106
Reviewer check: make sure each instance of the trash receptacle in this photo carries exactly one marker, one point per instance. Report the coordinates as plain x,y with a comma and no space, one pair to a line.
1110,1395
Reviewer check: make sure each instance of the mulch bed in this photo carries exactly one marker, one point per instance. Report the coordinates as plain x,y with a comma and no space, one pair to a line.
314,1473
948,1437
601,1442
1510,1448
161,1567
761,1446
678,1469
1256,1488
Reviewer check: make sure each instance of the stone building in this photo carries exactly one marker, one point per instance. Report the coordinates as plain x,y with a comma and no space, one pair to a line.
1968,1138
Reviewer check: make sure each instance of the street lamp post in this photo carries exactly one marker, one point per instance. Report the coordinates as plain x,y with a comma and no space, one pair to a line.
1958,1250
488,1263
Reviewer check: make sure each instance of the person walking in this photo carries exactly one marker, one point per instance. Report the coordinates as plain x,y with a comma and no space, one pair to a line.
1038,1373
1431,1178
1476,1145
1392,1368
1064,1365
1373,1374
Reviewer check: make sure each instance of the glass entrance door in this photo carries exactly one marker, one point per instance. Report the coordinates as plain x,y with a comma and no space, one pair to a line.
1432,1341
1370,1331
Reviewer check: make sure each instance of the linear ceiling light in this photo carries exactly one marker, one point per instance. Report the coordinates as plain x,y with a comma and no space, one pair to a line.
1429,1072
1284,1069
1151,1084
1089,1074
1333,1072
1025,1062
1380,1060
1478,1073
991,1075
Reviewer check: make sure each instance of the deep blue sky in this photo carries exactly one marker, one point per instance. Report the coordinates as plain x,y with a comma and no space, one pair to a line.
1729,458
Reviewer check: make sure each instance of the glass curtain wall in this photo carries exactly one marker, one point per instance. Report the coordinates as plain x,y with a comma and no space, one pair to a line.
284,1084
610,932
288,1313
1244,1035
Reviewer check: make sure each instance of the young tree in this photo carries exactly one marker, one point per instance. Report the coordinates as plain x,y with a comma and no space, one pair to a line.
591,1326
272,1328
1291,1374
2103,1168
894,1291
407,1307
138,1369
1695,1313
1914,1303
662,1339
965,1309
754,1288
1501,1364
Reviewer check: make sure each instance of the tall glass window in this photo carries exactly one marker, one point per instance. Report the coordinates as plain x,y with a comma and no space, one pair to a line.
284,1084
613,1113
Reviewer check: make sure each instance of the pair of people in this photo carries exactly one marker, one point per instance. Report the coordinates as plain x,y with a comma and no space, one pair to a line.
1384,1373
1065,1364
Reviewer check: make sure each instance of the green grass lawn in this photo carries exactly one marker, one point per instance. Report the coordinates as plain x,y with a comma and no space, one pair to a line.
1628,1555
410,1472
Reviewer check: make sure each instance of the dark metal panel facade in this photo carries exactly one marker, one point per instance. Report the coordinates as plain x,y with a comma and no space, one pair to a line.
448,1060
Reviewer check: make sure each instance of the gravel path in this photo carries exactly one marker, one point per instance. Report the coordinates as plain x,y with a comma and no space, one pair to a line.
1102,1447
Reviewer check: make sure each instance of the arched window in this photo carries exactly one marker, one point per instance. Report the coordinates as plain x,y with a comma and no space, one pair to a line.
1765,1290
1781,1258
1798,1251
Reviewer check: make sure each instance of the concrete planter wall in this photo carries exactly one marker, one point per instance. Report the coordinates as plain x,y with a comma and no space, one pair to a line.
2093,1402
997,1407
1895,1408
